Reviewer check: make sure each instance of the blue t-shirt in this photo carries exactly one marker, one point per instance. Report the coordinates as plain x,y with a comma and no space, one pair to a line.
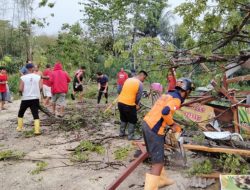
23,70
103,81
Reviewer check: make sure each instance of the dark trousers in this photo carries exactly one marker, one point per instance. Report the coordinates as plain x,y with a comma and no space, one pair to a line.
32,104
100,95
128,114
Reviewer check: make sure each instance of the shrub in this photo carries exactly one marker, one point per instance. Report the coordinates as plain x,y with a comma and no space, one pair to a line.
13,82
204,167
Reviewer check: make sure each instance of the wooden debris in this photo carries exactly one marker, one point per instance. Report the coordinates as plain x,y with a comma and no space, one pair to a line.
238,79
215,175
236,120
217,150
201,99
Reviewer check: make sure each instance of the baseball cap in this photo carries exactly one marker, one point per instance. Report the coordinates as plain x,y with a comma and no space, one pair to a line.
29,66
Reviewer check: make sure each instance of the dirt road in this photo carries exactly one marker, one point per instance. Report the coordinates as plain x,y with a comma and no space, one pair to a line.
54,147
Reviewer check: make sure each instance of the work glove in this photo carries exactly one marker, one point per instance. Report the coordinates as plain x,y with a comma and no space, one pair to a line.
173,134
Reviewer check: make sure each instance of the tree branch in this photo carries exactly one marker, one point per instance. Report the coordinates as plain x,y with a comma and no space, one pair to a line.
234,32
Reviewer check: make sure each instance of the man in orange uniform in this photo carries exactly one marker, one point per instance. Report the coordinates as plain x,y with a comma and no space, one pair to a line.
128,101
154,125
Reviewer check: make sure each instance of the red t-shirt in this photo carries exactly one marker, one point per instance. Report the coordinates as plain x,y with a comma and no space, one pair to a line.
171,82
47,73
3,78
121,77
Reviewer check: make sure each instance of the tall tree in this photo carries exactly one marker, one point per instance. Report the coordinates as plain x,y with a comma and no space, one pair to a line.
114,16
130,20
23,12
218,26
105,16
146,16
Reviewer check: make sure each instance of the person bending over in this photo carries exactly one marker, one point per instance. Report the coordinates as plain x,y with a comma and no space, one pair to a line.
154,126
102,81
78,84
128,104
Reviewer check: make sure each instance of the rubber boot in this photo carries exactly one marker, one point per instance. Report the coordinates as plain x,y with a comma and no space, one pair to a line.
19,124
164,180
122,129
72,96
37,127
151,182
131,131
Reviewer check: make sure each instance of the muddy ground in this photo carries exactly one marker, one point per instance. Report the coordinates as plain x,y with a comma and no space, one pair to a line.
55,147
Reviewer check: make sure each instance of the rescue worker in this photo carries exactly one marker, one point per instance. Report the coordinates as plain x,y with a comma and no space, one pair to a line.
30,86
154,126
128,104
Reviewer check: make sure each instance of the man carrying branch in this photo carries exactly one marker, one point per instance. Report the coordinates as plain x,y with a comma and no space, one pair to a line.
154,126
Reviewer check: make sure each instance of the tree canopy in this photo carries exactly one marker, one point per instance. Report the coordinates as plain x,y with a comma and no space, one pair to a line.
139,34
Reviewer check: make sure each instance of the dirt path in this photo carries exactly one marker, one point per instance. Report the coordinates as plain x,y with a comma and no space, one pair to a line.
52,147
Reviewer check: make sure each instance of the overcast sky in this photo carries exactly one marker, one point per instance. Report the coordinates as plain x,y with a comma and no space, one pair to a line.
68,11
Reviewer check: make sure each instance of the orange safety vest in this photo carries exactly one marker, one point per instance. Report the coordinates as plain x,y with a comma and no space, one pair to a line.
156,120
129,91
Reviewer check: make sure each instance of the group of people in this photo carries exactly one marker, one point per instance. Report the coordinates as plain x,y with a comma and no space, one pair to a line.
54,85
156,122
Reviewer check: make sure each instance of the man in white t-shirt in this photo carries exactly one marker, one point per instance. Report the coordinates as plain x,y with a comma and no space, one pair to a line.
30,86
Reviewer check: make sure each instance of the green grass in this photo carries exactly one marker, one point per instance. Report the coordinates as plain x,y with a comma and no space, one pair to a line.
80,157
122,153
83,150
40,166
11,155
29,134
91,147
